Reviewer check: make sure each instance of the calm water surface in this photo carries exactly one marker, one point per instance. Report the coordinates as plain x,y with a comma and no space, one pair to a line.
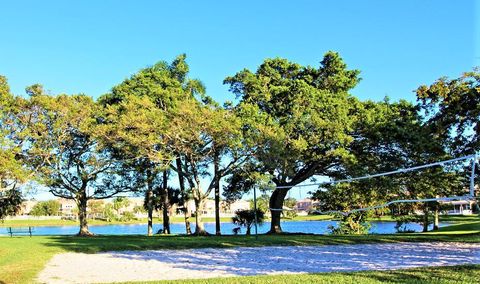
315,227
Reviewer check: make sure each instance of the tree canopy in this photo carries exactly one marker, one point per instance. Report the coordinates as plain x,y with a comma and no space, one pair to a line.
305,113
68,153
452,107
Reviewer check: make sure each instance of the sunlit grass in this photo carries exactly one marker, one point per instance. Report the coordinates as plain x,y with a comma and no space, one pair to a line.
429,275
433,275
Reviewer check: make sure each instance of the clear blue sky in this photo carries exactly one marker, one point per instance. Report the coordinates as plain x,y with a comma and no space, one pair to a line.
89,46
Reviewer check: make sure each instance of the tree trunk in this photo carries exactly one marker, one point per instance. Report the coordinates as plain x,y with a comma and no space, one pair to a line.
435,220
166,204
149,202
217,210
248,230
181,181
425,219
199,227
216,166
276,201
149,212
186,216
82,215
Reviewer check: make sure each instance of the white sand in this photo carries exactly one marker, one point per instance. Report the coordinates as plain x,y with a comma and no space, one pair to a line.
208,263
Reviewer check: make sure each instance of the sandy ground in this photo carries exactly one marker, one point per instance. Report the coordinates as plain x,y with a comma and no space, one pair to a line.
208,263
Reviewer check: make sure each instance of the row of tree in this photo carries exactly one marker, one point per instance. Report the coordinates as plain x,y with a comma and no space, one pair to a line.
290,123
96,209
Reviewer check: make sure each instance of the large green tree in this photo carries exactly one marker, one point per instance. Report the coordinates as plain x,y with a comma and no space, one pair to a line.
452,109
46,208
134,128
389,136
208,135
167,87
304,117
204,134
194,134
68,153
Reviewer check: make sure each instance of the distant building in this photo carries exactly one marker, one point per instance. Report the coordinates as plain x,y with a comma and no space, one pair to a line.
304,205
27,206
237,205
226,209
459,207
68,208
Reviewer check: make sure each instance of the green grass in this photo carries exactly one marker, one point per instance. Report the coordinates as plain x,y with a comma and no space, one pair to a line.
310,218
21,258
460,228
459,218
452,274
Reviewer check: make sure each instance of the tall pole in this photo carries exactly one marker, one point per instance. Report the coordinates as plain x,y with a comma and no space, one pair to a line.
255,211
472,177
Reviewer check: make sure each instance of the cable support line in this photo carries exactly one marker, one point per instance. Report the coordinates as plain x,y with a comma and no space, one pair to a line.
441,163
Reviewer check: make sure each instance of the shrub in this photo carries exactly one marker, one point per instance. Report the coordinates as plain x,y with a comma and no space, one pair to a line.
46,208
127,216
246,218
352,224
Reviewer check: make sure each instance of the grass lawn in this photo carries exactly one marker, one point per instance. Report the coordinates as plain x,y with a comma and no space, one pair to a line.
310,218
21,258
433,275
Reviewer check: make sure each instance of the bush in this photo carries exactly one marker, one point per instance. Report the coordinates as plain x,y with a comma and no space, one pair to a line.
246,218
127,216
108,212
352,224
46,208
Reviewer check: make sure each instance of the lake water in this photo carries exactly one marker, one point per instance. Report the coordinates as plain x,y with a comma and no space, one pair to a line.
315,227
